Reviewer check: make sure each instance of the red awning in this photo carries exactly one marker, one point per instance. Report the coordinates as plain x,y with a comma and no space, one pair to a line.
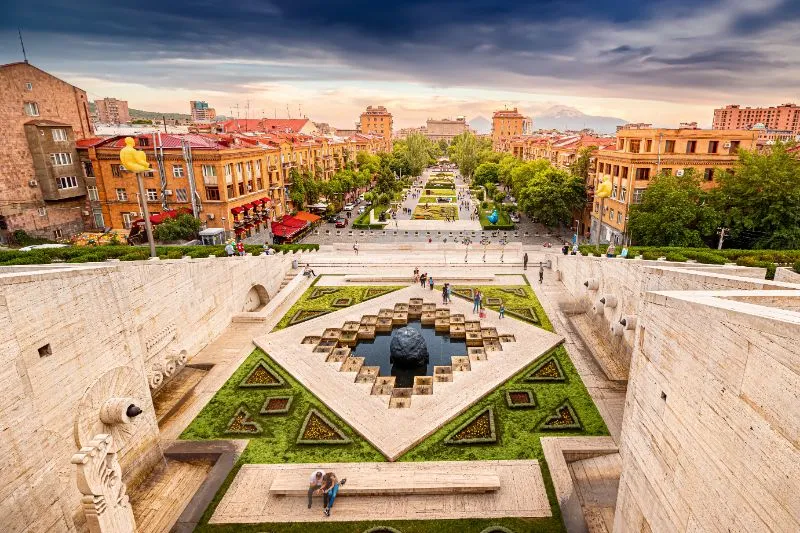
282,230
266,200
257,202
237,210
248,206
293,222
239,231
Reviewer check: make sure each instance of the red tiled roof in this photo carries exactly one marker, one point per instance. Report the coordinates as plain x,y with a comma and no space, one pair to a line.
288,125
88,143
169,140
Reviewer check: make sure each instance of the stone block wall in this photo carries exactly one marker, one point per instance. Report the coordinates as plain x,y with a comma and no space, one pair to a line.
711,429
96,320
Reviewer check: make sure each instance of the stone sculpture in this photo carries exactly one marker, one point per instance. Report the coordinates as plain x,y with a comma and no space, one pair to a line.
105,500
408,348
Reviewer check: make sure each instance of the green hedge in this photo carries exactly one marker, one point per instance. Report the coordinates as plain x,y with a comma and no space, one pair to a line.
769,259
88,254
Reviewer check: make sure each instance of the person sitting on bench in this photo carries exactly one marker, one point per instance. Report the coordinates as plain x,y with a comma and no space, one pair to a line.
308,271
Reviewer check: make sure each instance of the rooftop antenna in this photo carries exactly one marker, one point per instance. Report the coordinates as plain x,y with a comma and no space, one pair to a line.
288,113
22,44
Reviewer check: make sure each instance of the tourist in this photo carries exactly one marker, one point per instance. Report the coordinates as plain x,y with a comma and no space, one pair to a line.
502,310
611,250
422,279
308,271
444,293
449,293
355,247
565,248
541,273
430,282
476,301
575,249
416,275
240,248
330,488
314,484
525,261
229,249
624,253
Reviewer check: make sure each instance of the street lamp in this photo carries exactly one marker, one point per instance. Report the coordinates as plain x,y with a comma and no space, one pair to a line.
466,242
485,242
503,242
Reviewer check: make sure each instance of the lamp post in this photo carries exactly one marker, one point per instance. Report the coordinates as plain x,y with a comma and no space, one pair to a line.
146,212
485,242
466,243
503,243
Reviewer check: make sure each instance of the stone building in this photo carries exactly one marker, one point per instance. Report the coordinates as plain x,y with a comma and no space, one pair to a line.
42,184
507,123
735,117
201,112
445,128
112,111
642,153
377,120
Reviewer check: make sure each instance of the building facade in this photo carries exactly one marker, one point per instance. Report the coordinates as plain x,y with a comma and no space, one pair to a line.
643,153
112,111
508,123
445,129
735,117
378,121
42,185
201,112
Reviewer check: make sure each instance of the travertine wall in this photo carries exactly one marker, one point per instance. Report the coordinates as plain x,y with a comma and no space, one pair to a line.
96,320
711,430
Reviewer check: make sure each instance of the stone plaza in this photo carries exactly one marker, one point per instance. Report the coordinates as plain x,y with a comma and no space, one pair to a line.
200,394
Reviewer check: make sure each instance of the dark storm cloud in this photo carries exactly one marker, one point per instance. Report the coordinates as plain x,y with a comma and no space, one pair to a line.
473,43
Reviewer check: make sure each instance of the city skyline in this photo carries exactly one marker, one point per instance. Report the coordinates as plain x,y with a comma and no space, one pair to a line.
420,60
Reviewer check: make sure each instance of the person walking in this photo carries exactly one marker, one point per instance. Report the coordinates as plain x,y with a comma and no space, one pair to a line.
314,484
502,310
449,293
541,274
430,282
422,279
525,261
444,293
476,301
416,275
240,248
229,249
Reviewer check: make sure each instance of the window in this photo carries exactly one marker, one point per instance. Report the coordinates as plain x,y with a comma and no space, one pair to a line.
623,194
59,134
248,170
98,220
209,171
611,215
128,218
28,86
238,171
642,173
258,169
616,170
67,182
42,211
57,233
152,195
177,171
241,188
624,173
143,141
691,147
648,145
669,147
31,109
212,193
61,158
713,146
619,217
734,147
88,169
180,195
116,170
148,174
637,195
614,191
708,174
634,145
91,190
122,196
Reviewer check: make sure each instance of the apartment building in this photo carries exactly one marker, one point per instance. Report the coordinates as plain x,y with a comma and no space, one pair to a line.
112,111
641,153
42,184
506,124
201,112
734,117
376,120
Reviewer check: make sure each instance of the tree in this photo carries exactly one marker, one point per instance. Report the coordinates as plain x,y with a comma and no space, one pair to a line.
417,153
464,152
486,173
551,195
674,211
184,227
581,165
761,199
443,146
505,166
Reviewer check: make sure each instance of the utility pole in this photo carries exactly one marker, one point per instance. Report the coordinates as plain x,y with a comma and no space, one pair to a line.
721,232
146,212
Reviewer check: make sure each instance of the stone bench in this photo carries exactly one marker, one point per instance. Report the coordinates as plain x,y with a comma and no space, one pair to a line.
382,483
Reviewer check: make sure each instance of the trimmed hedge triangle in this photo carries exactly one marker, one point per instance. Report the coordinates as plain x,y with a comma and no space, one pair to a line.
548,370
317,429
242,423
516,291
319,292
526,314
374,292
479,429
564,417
262,376
306,314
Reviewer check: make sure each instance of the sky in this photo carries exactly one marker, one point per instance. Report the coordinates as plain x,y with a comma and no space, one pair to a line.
639,60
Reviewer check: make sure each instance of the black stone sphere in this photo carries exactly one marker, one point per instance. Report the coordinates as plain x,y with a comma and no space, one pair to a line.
408,348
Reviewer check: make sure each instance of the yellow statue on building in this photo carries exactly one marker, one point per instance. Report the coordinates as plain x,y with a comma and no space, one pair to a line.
604,189
132,159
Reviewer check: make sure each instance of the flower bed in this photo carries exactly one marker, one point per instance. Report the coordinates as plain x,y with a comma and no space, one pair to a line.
548,370
276,405
241,423
479,429
306,314
430,211
564,418
317,429
342,302
262,376
516,399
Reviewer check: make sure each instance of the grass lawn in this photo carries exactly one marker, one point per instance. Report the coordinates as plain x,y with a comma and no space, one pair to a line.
441,192
518,430
434,199
503,218
434,211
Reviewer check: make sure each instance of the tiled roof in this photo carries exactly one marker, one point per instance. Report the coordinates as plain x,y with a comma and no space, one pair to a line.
88,143
168,140
290,125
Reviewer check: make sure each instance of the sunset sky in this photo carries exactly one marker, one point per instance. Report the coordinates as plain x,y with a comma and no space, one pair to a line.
643,61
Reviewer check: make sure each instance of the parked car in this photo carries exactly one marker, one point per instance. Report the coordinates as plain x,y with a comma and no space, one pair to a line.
341,222
349,207
332,218
361,198
368,203
361,210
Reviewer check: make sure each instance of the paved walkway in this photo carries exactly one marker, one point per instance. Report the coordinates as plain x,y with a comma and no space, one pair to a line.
522,494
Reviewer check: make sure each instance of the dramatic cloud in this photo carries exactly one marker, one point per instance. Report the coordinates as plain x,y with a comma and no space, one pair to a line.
644,61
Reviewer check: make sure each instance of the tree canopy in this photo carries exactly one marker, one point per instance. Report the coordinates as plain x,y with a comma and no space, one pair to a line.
466,151
486,173
547,193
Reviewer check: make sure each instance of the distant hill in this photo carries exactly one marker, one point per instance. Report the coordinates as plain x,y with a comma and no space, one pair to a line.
481,124
561,117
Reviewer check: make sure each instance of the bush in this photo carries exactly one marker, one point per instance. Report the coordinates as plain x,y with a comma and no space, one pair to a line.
675,256
797,267
706,258
182,228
